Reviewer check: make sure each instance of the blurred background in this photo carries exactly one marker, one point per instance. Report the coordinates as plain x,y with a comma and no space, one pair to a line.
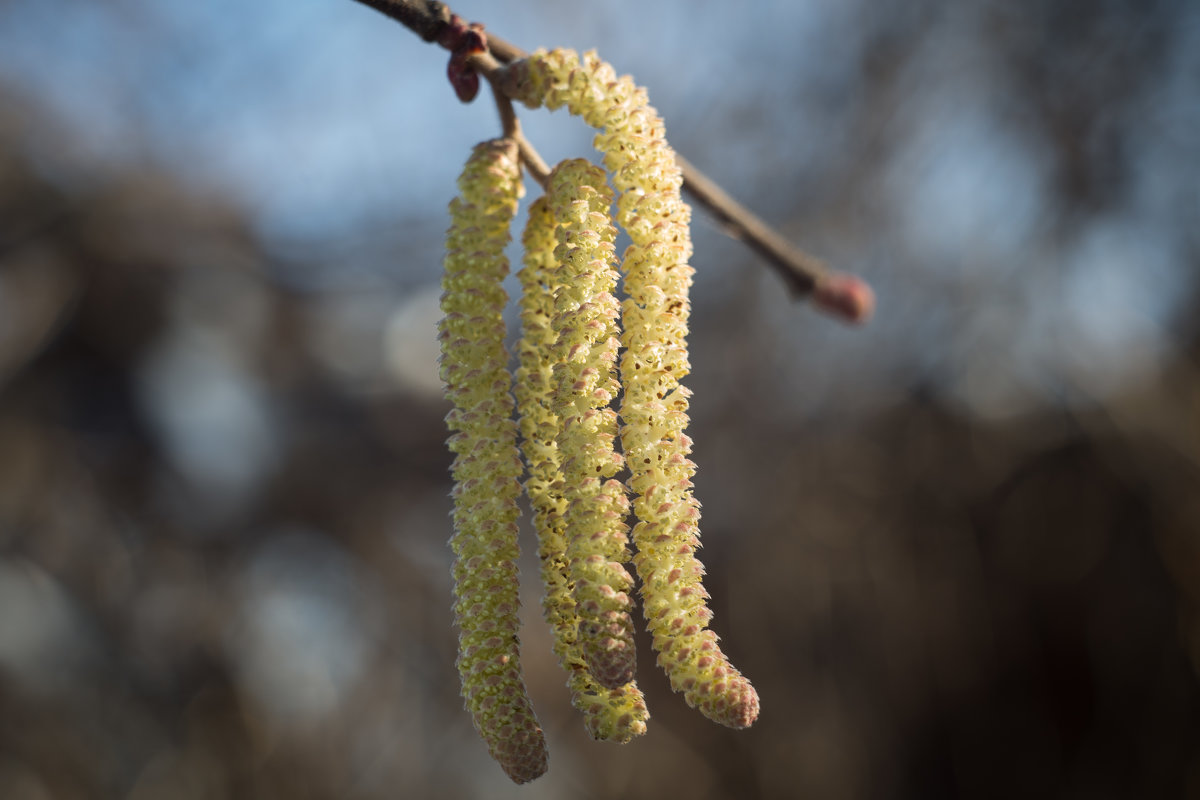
957,550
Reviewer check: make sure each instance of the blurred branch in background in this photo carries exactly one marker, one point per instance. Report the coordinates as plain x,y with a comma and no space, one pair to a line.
960,549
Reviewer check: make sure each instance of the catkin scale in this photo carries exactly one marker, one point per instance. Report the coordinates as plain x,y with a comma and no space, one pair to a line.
654,407
487,464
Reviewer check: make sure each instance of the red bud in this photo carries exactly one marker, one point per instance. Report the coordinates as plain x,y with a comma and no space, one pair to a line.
846,297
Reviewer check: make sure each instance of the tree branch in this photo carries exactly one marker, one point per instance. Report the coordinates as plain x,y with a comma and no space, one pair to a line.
841,295
426,18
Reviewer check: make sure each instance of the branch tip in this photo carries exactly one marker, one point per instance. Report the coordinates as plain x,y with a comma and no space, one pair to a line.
846,297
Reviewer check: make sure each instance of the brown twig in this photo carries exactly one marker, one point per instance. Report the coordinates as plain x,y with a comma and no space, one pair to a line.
839,294
844,296
425,18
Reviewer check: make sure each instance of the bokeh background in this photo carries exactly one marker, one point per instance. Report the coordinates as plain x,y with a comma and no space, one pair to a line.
957,550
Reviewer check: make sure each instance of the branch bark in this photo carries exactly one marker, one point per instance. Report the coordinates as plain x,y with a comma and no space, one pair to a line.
841,295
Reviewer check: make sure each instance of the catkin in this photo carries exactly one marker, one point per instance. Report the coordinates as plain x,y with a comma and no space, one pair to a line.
654,407
617,714
487,465
584,378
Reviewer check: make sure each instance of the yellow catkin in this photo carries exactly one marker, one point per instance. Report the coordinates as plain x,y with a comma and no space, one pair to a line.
584,378
487,466
654,406
616,715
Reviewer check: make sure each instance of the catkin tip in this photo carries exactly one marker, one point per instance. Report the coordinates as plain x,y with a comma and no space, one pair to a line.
740,709
523,758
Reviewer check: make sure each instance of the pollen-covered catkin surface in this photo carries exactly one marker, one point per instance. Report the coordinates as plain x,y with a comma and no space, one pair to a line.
584,378
619,714
487,465
654,406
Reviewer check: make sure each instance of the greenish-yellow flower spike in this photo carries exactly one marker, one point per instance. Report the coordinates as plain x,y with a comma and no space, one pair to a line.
615,715
487,466
654,405
584,377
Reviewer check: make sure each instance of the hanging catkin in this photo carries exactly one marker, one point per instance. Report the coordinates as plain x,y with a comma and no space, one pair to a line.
487,465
